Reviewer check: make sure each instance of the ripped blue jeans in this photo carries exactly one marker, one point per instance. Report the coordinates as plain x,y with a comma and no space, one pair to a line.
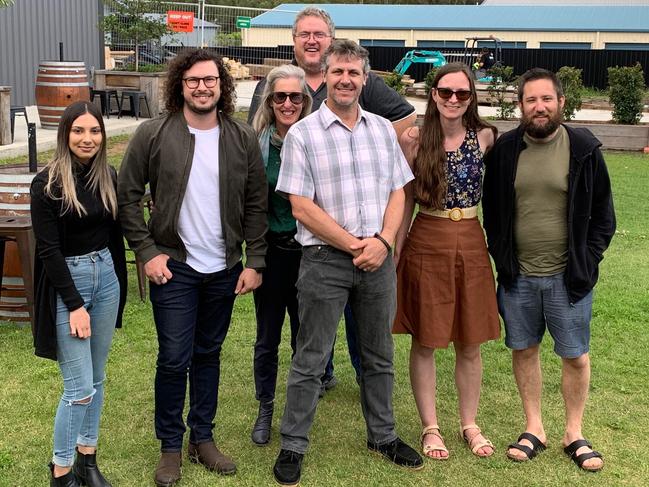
82,361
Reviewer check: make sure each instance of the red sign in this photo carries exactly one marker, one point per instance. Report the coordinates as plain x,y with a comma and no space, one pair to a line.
179,21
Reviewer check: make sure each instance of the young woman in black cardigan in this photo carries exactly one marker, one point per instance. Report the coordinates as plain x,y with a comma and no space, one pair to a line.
80,284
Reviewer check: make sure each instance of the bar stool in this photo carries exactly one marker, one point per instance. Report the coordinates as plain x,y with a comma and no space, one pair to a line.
104,99
19,229
16,110
134,99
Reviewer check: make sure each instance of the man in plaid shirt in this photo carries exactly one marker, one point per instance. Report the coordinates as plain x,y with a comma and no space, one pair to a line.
344,173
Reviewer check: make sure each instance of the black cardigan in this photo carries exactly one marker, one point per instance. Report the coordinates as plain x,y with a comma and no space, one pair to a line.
45,291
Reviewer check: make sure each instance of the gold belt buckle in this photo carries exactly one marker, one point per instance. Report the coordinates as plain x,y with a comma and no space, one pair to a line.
455,214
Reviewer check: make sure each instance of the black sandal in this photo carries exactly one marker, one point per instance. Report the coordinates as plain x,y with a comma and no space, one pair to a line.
571,451
530,453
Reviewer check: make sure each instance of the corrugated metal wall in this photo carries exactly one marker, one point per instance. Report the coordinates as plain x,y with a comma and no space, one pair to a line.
30,32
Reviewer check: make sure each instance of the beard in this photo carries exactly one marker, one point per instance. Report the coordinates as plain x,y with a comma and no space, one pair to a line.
201,110
541,131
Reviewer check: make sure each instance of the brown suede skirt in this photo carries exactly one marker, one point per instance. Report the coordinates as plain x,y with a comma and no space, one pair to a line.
445,285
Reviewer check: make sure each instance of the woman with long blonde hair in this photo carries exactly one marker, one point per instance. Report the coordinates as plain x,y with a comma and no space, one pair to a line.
80,285
445,289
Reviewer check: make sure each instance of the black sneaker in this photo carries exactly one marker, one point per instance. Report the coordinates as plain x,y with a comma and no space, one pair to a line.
398,453
327,384
288,467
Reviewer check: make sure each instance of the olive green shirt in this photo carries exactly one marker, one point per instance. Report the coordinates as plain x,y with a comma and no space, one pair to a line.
541,212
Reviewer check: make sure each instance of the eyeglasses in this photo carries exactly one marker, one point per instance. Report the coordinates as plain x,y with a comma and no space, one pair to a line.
316,35
208,81
280,97
447,93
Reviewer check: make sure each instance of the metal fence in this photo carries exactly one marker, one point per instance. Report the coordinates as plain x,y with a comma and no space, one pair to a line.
594,63
213,26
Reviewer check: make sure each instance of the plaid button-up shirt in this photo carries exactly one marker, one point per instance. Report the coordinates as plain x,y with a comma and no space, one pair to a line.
348,173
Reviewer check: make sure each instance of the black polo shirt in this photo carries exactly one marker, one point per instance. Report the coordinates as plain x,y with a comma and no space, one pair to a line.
376,97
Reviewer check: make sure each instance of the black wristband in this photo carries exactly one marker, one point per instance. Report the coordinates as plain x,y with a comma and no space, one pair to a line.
383,241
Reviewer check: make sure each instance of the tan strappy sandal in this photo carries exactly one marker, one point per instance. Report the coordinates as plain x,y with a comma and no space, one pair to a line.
477,444
427,449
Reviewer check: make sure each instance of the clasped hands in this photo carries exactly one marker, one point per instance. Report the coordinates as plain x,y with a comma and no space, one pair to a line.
368,253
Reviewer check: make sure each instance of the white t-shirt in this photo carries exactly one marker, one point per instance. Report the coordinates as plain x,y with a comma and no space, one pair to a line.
199,222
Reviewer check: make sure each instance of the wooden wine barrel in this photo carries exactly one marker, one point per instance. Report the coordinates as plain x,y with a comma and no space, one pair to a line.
14,201
58,84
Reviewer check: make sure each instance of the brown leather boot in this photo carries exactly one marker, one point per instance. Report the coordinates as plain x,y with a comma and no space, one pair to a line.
209,455
167,473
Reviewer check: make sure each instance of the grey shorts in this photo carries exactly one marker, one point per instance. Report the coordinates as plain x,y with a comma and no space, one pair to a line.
533,303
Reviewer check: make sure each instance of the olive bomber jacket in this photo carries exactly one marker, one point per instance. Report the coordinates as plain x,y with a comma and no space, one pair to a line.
160,154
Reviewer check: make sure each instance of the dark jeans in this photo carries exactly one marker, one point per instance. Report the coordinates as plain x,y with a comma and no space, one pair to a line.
192,315
328,280
273,299
352,347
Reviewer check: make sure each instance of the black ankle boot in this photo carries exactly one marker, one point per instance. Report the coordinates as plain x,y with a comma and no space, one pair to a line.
261,430
86,470
68,480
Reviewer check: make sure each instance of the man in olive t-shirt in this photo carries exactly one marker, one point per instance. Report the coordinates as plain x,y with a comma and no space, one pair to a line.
548,215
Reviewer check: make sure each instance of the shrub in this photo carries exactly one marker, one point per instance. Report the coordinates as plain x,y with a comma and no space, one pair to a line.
625,90
394,81
430,77
144,68
572,90
502,77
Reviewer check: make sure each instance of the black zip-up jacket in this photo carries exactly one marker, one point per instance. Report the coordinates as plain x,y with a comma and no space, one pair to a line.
591,218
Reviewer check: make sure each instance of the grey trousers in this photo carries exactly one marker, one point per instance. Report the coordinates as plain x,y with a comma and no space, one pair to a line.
327,281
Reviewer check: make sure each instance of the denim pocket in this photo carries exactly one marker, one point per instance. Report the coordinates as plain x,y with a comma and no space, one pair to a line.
316,253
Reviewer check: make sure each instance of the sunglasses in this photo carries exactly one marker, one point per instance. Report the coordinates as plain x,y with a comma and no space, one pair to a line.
447,93
280,97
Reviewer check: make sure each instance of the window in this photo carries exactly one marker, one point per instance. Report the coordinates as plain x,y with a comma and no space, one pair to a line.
440,44
504,44
565,45
623,46
382,43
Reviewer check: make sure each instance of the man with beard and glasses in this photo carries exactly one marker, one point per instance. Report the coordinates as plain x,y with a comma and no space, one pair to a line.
344,173
548,215
209,194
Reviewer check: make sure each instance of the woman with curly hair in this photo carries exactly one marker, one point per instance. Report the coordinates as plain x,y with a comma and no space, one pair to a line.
446,289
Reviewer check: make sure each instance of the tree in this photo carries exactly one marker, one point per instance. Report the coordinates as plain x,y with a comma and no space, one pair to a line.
625,90
502,77
129,22
6,3
572,88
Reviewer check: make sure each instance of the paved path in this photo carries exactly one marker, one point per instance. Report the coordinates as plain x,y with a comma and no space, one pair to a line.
46,139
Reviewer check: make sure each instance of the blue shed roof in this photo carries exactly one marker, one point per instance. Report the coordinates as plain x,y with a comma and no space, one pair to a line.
471,17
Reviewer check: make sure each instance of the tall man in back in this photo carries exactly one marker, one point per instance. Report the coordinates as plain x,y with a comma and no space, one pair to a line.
548,215
344,173
209,196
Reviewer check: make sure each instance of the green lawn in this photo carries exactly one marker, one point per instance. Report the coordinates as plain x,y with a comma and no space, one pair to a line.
616,417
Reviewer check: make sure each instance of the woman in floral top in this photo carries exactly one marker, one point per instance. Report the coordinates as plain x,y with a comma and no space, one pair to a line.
446,287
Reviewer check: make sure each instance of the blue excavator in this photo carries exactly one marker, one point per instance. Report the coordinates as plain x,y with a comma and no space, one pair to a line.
435,58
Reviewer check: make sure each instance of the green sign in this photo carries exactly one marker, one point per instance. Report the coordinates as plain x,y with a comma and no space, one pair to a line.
243,22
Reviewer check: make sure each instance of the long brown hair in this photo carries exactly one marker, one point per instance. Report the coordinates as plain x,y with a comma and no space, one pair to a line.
61,180
430,164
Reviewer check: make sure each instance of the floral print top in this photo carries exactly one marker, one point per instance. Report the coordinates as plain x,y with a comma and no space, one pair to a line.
464,171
